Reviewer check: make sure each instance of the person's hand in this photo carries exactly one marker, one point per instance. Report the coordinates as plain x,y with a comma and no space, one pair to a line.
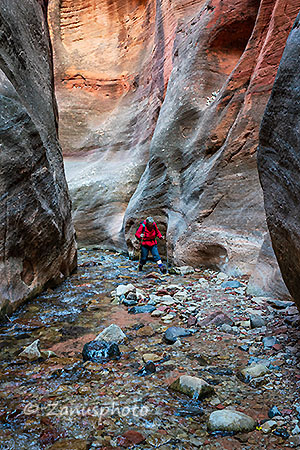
142,236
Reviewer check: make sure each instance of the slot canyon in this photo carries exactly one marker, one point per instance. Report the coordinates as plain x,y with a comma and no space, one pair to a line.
162,126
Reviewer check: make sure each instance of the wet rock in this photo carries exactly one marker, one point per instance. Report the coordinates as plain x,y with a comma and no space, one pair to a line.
142,309
112,333
157,313
216,318
268,426
145,331
296,430
181,296
100,351
253,371
151,357
190,410
140,295
71,444
169,317
167,300
230,421
220,371
231,284
244,347
257,321
131,296
122,289
281,432
273,412
192,386
148,369
226,328
173,333
186,270
37,238
269,341
129,303
32,352
294,441
191,321
48,354
280,304
130,438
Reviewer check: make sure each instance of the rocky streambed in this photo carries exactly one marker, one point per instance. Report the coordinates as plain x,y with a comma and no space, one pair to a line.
200,364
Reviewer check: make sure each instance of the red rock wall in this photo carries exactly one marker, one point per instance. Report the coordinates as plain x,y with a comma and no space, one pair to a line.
37,245
160,105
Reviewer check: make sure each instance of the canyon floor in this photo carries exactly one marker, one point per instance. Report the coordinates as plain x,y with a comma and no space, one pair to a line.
63,402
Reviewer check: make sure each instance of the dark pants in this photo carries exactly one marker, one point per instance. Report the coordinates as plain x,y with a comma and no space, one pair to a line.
145,251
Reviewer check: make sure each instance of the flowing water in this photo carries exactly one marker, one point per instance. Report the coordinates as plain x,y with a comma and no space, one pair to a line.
63,402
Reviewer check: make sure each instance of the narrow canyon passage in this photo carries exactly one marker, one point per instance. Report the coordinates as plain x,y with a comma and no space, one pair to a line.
112,111
245,348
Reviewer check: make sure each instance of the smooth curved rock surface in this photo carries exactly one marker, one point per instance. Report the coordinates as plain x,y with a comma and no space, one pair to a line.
160,110
279,166
37,245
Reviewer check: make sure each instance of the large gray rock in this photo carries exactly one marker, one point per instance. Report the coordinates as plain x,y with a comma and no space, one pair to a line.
192,386
278,163
232,421
37,245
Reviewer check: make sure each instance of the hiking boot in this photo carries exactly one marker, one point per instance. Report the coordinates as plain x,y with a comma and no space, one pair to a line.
140,268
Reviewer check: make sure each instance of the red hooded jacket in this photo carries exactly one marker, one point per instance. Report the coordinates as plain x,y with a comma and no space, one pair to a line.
149,236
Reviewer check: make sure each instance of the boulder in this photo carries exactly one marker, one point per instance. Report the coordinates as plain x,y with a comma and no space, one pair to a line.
100,351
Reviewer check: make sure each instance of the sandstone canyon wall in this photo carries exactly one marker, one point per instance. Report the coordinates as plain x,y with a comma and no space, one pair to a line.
37,243
279,163
160,104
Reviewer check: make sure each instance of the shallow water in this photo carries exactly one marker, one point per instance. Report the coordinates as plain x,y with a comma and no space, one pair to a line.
88,405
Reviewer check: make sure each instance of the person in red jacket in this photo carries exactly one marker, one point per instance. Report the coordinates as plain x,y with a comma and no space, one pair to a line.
147,233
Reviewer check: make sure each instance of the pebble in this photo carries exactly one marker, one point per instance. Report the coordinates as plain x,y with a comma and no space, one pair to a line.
186,270
230,421
192,386
257,321
157,313
268,426
181,296
113,333
273,412
253,371
122,289
269,341
294,441
173,333
32,352
231,284
151,357
141,309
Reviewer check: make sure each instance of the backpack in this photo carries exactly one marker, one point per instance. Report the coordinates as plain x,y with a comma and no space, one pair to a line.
144,226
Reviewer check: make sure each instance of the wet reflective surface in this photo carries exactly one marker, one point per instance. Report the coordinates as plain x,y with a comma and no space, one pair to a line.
64,402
